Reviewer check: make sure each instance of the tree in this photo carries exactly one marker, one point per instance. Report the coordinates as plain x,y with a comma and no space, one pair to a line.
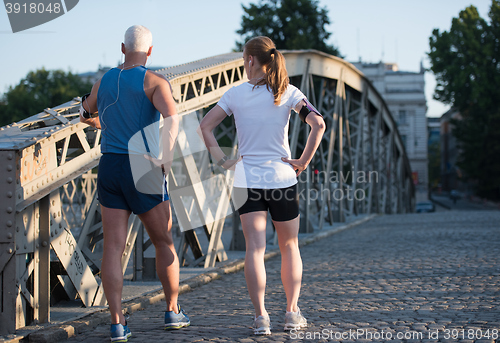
291,24
466,63
38,90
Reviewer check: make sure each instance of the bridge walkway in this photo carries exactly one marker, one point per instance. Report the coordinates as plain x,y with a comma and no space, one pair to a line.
406,278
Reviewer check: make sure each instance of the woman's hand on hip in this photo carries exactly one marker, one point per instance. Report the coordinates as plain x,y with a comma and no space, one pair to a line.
297,165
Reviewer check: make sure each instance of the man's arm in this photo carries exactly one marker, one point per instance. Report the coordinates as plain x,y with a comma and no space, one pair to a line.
90,105
163,101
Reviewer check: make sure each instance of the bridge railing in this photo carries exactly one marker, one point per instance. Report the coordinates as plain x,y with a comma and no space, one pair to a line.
51,230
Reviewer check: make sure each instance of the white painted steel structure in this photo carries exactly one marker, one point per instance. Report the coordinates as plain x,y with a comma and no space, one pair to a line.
50,224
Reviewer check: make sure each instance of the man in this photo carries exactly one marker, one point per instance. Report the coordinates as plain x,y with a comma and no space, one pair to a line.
129,100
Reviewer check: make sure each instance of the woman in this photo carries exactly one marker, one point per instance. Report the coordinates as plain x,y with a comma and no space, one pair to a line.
262,108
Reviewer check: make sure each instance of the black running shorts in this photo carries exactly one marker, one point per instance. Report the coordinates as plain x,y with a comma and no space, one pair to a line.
282,203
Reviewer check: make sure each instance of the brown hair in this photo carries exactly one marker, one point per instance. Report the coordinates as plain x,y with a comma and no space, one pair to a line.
264,50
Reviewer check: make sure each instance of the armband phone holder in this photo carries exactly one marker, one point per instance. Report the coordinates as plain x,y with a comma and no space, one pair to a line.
83,112
306,109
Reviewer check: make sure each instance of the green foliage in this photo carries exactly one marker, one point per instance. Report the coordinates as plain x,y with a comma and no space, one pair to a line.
38,90
291,24
466,63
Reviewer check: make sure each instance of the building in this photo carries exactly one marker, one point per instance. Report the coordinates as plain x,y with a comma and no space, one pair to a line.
404,94
450,173
433,130
434,152
94,76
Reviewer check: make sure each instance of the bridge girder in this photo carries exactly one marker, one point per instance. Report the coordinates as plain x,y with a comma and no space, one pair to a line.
49,185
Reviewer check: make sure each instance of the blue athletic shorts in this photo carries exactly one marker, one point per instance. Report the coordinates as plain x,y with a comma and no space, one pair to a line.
116,187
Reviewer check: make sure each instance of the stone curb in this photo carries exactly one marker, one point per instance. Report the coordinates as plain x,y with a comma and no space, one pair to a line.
64,331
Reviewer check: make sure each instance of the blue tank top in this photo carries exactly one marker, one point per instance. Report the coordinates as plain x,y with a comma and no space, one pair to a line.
130,124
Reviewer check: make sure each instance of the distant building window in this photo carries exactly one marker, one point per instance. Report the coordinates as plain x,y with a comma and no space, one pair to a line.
403,138
402,117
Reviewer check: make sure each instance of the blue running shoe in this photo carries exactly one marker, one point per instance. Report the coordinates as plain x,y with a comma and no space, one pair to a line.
120,333
176,320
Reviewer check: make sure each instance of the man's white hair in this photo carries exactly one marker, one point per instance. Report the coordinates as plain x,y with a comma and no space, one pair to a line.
138,38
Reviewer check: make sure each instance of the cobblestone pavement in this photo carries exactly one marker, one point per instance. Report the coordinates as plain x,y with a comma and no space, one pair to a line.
398,278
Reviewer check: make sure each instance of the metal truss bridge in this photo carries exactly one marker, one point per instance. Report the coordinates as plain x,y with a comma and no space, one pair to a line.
50,226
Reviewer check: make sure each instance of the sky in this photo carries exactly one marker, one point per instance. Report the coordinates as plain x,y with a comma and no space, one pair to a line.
187,30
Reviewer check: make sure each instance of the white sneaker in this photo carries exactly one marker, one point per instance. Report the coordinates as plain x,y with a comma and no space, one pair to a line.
295,321
262,326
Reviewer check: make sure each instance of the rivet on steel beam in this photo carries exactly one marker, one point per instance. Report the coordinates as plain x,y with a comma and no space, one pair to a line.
9,223
10,251
10,156
9,209
25,246
19,196
9,167
128,244
17,247
9,180
37,246
44,244
9,235
9,194
52,235
56,232
60,225
32,188
81,283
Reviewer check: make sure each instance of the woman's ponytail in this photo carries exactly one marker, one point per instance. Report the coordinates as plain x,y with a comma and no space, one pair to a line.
276,75
276,78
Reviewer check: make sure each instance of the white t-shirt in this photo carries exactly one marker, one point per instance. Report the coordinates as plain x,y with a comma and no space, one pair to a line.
262,129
